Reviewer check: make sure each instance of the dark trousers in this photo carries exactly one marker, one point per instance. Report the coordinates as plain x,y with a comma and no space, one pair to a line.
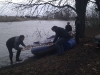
11,53
59,45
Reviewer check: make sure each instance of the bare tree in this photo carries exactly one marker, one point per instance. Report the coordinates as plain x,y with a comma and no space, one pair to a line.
41,5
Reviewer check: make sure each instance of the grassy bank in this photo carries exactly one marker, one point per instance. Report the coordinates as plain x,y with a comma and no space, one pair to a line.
84,59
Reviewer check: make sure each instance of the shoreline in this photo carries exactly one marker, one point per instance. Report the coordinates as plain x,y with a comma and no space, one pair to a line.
17,19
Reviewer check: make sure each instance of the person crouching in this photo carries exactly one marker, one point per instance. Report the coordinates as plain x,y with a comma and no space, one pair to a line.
14,42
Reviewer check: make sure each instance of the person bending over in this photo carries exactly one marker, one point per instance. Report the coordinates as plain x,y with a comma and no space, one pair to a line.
14,42
60,38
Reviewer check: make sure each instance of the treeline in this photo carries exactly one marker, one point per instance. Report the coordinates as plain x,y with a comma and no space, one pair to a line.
11,18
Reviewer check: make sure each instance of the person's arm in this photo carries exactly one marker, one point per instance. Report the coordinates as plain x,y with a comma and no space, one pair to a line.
23,44
55,39
66,27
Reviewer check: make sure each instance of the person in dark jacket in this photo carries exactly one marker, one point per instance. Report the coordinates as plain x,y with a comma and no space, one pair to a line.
60,38
14,42
68,27
77,30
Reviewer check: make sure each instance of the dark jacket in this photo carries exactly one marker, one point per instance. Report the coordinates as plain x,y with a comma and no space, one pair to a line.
14,42
68,28
61,33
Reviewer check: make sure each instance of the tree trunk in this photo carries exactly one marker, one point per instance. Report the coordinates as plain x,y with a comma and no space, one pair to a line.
81,10
99,18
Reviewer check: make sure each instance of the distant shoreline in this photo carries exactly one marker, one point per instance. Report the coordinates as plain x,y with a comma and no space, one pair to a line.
12,19
16,19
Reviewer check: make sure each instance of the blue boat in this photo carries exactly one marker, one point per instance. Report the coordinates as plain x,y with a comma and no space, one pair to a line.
49,49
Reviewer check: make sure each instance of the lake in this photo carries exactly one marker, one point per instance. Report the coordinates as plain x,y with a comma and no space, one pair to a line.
34,30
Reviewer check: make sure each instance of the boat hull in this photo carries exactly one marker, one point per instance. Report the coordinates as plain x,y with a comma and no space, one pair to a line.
49,49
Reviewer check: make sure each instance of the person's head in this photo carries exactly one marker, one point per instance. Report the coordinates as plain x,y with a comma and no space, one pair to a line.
54,28
68,23
21,37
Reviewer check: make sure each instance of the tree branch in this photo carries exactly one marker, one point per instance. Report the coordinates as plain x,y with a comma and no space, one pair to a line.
37,4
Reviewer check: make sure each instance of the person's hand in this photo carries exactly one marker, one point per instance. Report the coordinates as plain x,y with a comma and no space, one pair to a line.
52,43
27,47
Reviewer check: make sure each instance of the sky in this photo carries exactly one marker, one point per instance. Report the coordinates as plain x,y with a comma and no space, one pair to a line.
7,9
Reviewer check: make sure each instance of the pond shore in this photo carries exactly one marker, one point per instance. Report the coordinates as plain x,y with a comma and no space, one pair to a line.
12,19
17,19
84,59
